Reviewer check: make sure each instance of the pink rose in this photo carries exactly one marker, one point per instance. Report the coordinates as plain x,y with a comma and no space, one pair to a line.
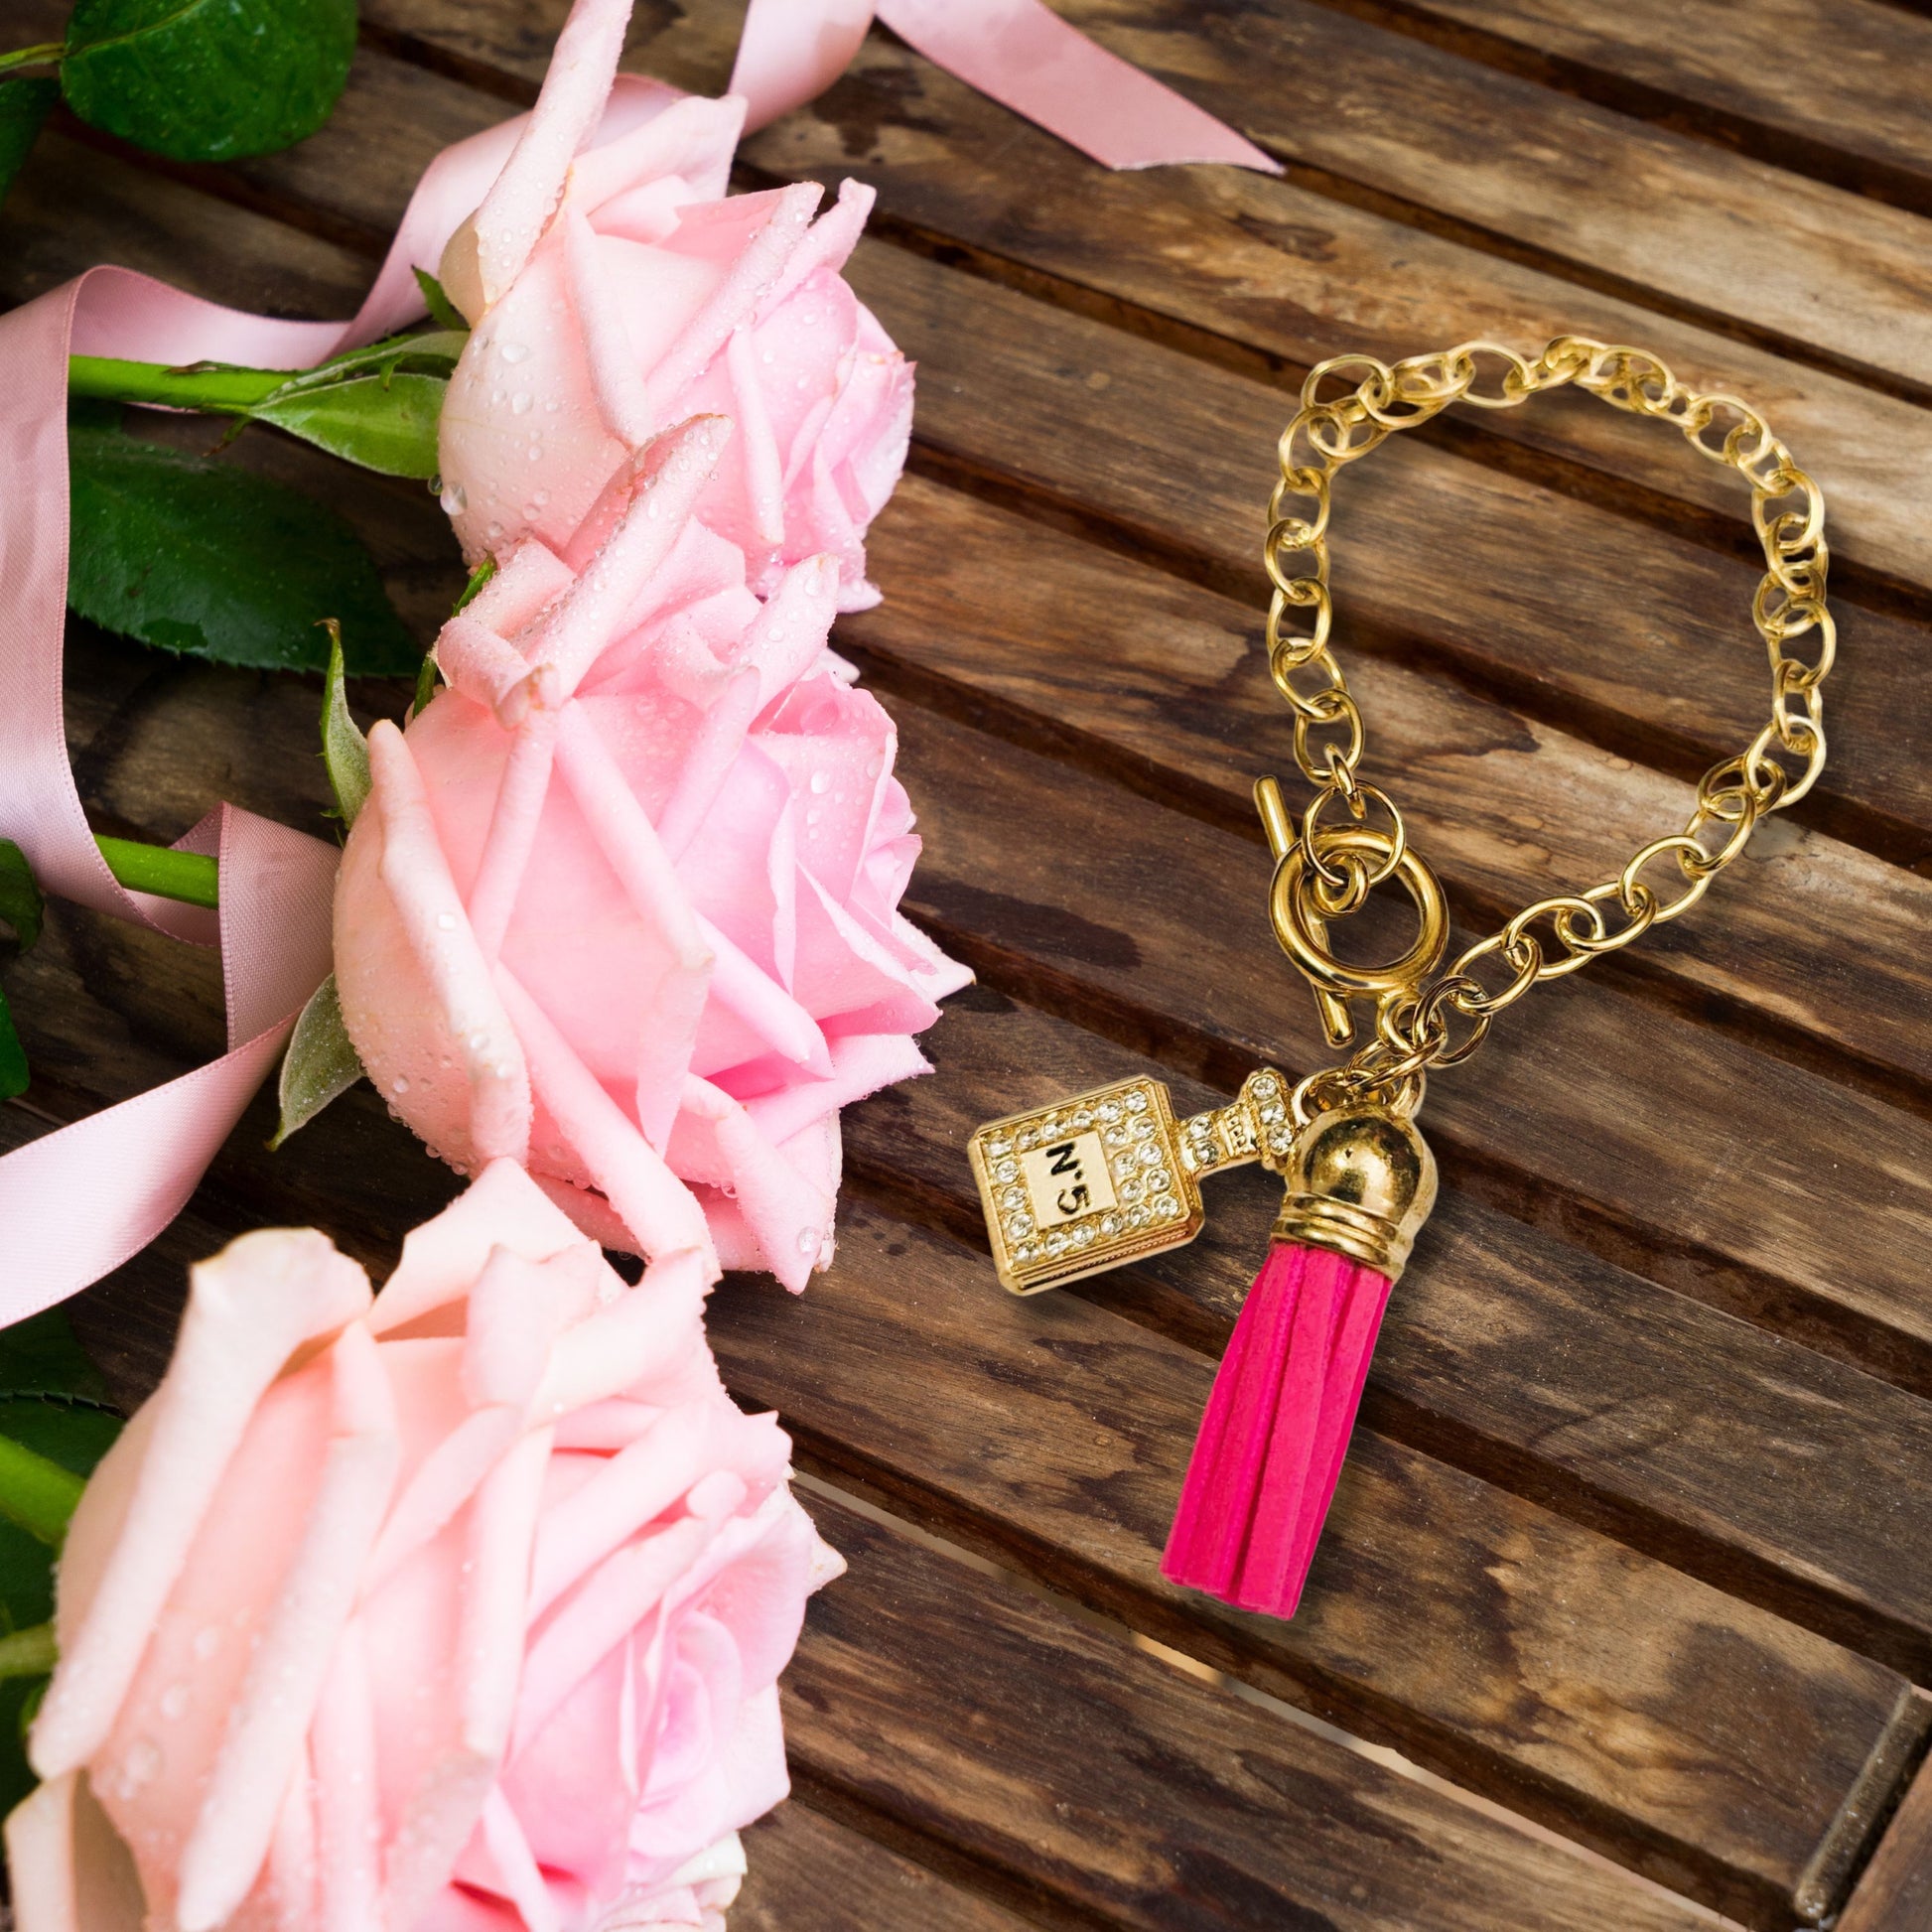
615,290
456,1610
622,904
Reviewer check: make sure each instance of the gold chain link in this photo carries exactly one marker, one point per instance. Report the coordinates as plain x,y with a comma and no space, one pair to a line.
1442,1020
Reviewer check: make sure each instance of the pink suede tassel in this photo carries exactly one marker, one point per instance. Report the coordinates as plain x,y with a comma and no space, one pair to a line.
1269,1449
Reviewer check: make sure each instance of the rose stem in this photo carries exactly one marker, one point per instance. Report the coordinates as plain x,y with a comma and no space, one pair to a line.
213,391
36,1493
191,877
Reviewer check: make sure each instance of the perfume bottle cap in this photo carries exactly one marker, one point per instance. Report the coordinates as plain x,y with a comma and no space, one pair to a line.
1362,1181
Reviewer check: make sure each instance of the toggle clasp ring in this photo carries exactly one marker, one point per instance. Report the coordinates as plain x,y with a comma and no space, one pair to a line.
1301,928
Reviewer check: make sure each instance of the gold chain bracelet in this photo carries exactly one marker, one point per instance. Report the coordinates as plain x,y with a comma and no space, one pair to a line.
1327,870
1113,1177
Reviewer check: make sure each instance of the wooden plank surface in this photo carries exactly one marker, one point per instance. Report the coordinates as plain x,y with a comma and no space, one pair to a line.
1056,1435
1834,92
987,1723
810,1873
1634,1545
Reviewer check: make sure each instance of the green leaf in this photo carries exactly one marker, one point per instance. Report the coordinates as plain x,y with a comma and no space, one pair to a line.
441,310
378,406
208,80
21,904
20,908
321,1065
19,1701
195,556
15,1077
384,425
435,350
40,1357
345,751
52,1403
24,106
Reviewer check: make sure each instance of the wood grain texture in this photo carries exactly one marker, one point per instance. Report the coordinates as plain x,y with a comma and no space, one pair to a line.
1054,1435
810,1873
1835,92
1108,1789
1262,272
72,207
993,619
1834,277
1147,927
1634,638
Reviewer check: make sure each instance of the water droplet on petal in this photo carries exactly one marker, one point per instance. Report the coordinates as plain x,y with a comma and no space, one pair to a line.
174,1701
515,351
446,922
521,402
810,1240
821,781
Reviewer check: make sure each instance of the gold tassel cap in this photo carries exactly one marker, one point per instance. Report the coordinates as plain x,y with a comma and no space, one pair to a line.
1360,1182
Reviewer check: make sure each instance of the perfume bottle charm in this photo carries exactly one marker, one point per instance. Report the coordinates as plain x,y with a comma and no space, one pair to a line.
1112,1177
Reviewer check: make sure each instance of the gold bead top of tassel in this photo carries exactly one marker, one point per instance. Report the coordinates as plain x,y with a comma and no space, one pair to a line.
1362,1181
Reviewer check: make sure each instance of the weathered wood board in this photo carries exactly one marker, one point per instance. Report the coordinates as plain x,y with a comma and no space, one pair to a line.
1626,1601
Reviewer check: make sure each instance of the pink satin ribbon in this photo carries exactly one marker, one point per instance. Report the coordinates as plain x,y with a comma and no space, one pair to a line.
1019,51
78,1202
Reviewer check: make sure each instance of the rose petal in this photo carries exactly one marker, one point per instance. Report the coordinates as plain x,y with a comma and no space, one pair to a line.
248,1311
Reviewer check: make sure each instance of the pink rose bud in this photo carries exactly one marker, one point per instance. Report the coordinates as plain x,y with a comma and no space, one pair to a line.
615,289
622,903
458,1610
